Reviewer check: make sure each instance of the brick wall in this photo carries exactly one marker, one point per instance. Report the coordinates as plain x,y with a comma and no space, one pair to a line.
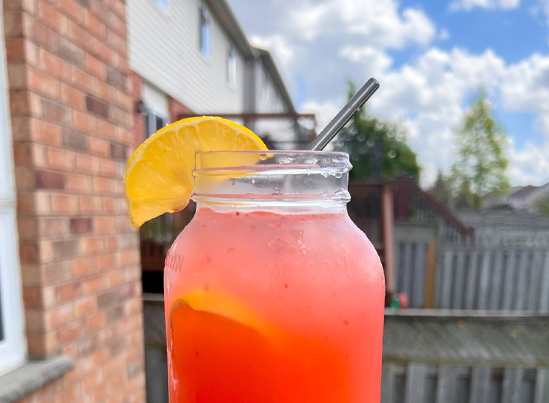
176,108
71,111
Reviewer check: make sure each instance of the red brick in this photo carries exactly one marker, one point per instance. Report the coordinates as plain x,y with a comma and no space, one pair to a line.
128,257
62,159
94,26
24,155
96,67
43,83
76,141
105,92
102,185
103,225
97,107
49,180
99,146
92,245
106,129
70,332
82,80
86,163
66,248
57,317
25,177
72,9
53,65
32,297
41,345
41,34
64,204
13,24
96,322
53,227
81,37
89,204
106,262
25,104
99,9
103,52
91,381
79,183
17,76
71,52
50,16
56,112
84,122
20,50
84,267
111,243
115,278
85,306
72,97
45,132
67,292
93,285
107,167
109,205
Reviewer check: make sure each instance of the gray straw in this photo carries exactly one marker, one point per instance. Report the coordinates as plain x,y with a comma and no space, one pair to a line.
344,116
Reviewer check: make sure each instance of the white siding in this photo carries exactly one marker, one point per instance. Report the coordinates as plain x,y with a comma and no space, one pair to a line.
279,130
164,50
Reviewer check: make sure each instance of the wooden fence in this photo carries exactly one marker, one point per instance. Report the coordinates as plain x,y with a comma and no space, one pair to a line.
473,277
421,383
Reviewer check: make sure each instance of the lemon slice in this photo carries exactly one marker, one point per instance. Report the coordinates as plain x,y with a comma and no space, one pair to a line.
158,177
223,305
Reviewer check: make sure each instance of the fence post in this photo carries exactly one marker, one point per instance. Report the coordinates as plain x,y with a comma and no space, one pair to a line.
430,275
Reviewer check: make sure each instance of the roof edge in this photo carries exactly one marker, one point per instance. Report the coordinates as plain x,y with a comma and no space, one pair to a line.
267,58
223,13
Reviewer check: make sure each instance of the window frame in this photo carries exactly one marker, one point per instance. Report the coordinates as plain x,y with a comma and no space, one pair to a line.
13,343
204,37
148,121
232,67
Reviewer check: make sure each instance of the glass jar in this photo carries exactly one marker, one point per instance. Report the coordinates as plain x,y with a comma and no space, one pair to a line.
272,293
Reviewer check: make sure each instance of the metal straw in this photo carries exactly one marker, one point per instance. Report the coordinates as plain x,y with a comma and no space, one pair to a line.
344,115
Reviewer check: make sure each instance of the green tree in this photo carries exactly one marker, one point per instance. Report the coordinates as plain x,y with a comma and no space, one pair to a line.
542,204
481,166
442,189
376,148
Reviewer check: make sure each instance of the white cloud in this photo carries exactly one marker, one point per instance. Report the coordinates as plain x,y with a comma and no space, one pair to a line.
467,5
378,20
429,96
444,35
277,45
328,41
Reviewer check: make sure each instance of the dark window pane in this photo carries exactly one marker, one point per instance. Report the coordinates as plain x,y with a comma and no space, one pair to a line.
400,388
496,386
462,389
431,389
159,123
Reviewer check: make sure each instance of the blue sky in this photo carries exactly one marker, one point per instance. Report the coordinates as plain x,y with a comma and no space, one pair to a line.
430,57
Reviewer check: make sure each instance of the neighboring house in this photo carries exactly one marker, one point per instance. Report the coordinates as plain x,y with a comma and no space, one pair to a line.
70,294
525,198
191,57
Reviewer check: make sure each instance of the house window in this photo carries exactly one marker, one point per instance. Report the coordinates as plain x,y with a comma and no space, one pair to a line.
12,336
265,87
163,4
231,66
205,31
154,121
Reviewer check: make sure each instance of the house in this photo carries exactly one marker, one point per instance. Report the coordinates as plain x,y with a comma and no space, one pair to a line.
526,197
192,58
70,293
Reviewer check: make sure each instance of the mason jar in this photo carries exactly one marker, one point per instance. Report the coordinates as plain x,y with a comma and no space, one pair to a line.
272,293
